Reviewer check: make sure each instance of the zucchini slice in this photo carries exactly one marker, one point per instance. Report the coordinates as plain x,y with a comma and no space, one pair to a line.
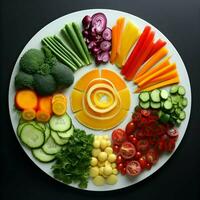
60,123
32,137
40,155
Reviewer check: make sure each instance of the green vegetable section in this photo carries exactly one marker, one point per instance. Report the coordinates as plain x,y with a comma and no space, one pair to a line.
75,54
170,104
73,161
44,142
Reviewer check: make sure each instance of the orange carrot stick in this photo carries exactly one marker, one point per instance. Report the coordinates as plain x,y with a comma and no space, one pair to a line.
152,61
170,75
159,85
158,73
159,66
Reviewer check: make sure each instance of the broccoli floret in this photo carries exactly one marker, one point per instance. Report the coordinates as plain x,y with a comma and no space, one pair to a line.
31,61
63,75
44,84
44,69
23,80
49,57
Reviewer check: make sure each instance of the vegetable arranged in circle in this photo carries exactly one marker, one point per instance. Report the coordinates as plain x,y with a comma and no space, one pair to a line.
101,101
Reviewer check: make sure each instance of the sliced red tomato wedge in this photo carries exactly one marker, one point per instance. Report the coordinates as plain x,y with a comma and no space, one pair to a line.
152,156
172,132
133,168
142,145
127,150
118,136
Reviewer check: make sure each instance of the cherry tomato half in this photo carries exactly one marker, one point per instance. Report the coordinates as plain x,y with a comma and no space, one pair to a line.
127,150
142,145
143,162
172,132
152,156
145,113
133,168
118,136
130,128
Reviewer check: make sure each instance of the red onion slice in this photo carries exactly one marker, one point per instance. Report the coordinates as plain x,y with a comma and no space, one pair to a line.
99,21
105,46
107,34
86,21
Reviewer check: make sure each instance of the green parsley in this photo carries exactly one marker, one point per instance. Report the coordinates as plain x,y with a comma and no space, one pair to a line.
73,162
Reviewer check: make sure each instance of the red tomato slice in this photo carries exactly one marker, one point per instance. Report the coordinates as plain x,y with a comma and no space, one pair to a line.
152,156
133,168
143,162
142,145
145,113
118,136
127,150
130,128
172,132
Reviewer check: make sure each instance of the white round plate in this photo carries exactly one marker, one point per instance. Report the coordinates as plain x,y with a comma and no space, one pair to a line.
54,28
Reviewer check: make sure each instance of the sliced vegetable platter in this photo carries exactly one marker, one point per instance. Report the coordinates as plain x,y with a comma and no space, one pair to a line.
53,28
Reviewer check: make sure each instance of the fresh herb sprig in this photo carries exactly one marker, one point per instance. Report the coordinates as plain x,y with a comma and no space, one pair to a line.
73,162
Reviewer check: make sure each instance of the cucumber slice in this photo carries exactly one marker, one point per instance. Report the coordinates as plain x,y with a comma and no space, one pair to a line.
178,122
168,105
58,140
50,147
60,123
47,133
144,105
19,128
184,102
66,134
155,105
32,137
164,94
178,111
40,155
174,89
144,96
41,125
155,95
182,115
181,90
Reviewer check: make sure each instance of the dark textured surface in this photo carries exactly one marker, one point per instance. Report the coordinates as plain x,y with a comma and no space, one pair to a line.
179,20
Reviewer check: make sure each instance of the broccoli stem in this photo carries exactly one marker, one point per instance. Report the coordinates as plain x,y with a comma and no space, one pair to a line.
60,56
69,51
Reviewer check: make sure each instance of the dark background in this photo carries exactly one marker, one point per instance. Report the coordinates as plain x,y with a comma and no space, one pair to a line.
179,20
